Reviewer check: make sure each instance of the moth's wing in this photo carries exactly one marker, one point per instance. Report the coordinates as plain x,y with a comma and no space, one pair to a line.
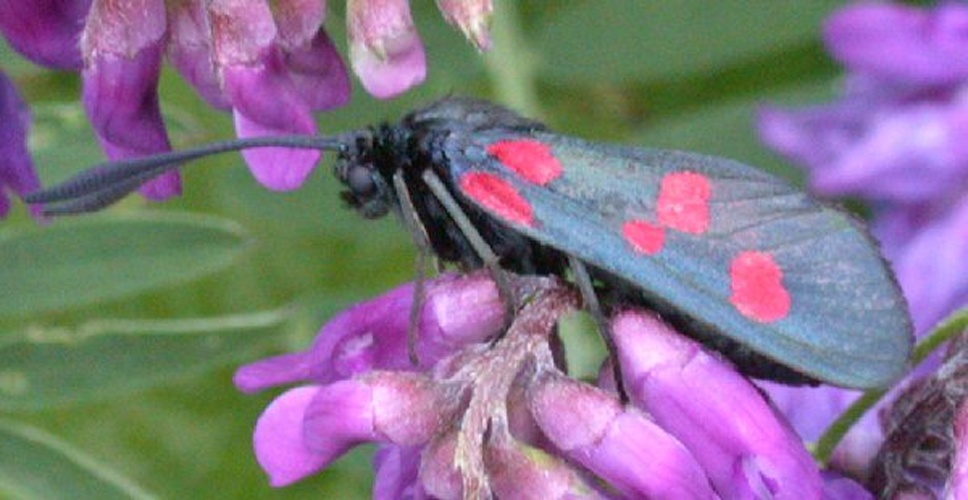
845,320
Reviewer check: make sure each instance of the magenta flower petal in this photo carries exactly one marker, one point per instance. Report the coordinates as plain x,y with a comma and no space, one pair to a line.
387,407
298,21
902,42
121,83
722,418
810,410
836,487
515,465
16,167
397,469
373,335
264,99
318,73
385,49
307,428
624,447
278,439
370,335
458,311
279,169
275,371
339,417
315,66
190,50
47,32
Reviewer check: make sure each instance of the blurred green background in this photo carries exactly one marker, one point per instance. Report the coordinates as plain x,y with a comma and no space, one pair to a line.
119,332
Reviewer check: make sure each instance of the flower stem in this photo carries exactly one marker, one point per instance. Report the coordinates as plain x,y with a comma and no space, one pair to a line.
511,64
946,330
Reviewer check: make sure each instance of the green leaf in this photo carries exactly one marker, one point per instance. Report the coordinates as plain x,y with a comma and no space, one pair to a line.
34,464
80,261
621,40
47,367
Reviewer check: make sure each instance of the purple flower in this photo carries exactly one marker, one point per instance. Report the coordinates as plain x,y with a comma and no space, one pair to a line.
385,49
271,64
47,32
592,428
896,139
501,408
122,45
16,167
749,452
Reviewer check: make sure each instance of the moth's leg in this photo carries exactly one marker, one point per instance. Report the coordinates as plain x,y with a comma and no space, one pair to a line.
425,257
592,305
483,250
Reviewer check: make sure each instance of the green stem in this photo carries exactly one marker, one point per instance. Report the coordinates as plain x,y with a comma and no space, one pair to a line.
510,63
948,329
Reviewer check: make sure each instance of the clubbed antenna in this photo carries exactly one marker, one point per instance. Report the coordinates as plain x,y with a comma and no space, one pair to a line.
107,183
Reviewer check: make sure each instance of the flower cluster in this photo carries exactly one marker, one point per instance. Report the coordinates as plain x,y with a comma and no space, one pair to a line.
488,411
270,63
896,139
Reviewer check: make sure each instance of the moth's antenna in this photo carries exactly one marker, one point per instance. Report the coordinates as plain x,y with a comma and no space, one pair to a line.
108,182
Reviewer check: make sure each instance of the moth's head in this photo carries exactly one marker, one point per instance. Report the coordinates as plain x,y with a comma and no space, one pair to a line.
368,191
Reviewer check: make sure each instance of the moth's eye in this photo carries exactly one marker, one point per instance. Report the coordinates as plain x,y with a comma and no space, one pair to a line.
361,182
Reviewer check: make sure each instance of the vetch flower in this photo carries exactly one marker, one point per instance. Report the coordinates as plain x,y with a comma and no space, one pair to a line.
270,63
485,411
254,66
749,451
373,335
592,428
385,49
45,31
895,138
122,45
16,167
308,427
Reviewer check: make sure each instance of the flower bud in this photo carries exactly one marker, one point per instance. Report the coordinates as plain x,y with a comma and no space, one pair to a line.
385,49
472,17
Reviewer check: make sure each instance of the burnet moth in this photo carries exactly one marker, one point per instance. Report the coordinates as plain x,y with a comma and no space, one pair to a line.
786,286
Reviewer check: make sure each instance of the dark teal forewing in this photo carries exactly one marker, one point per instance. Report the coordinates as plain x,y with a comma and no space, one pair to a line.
846,323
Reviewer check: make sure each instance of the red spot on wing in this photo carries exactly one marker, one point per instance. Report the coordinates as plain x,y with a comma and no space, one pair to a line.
498,196
684,202
757,287
645,237
531,159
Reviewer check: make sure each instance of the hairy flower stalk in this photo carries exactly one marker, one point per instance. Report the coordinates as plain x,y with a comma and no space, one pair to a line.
489,412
